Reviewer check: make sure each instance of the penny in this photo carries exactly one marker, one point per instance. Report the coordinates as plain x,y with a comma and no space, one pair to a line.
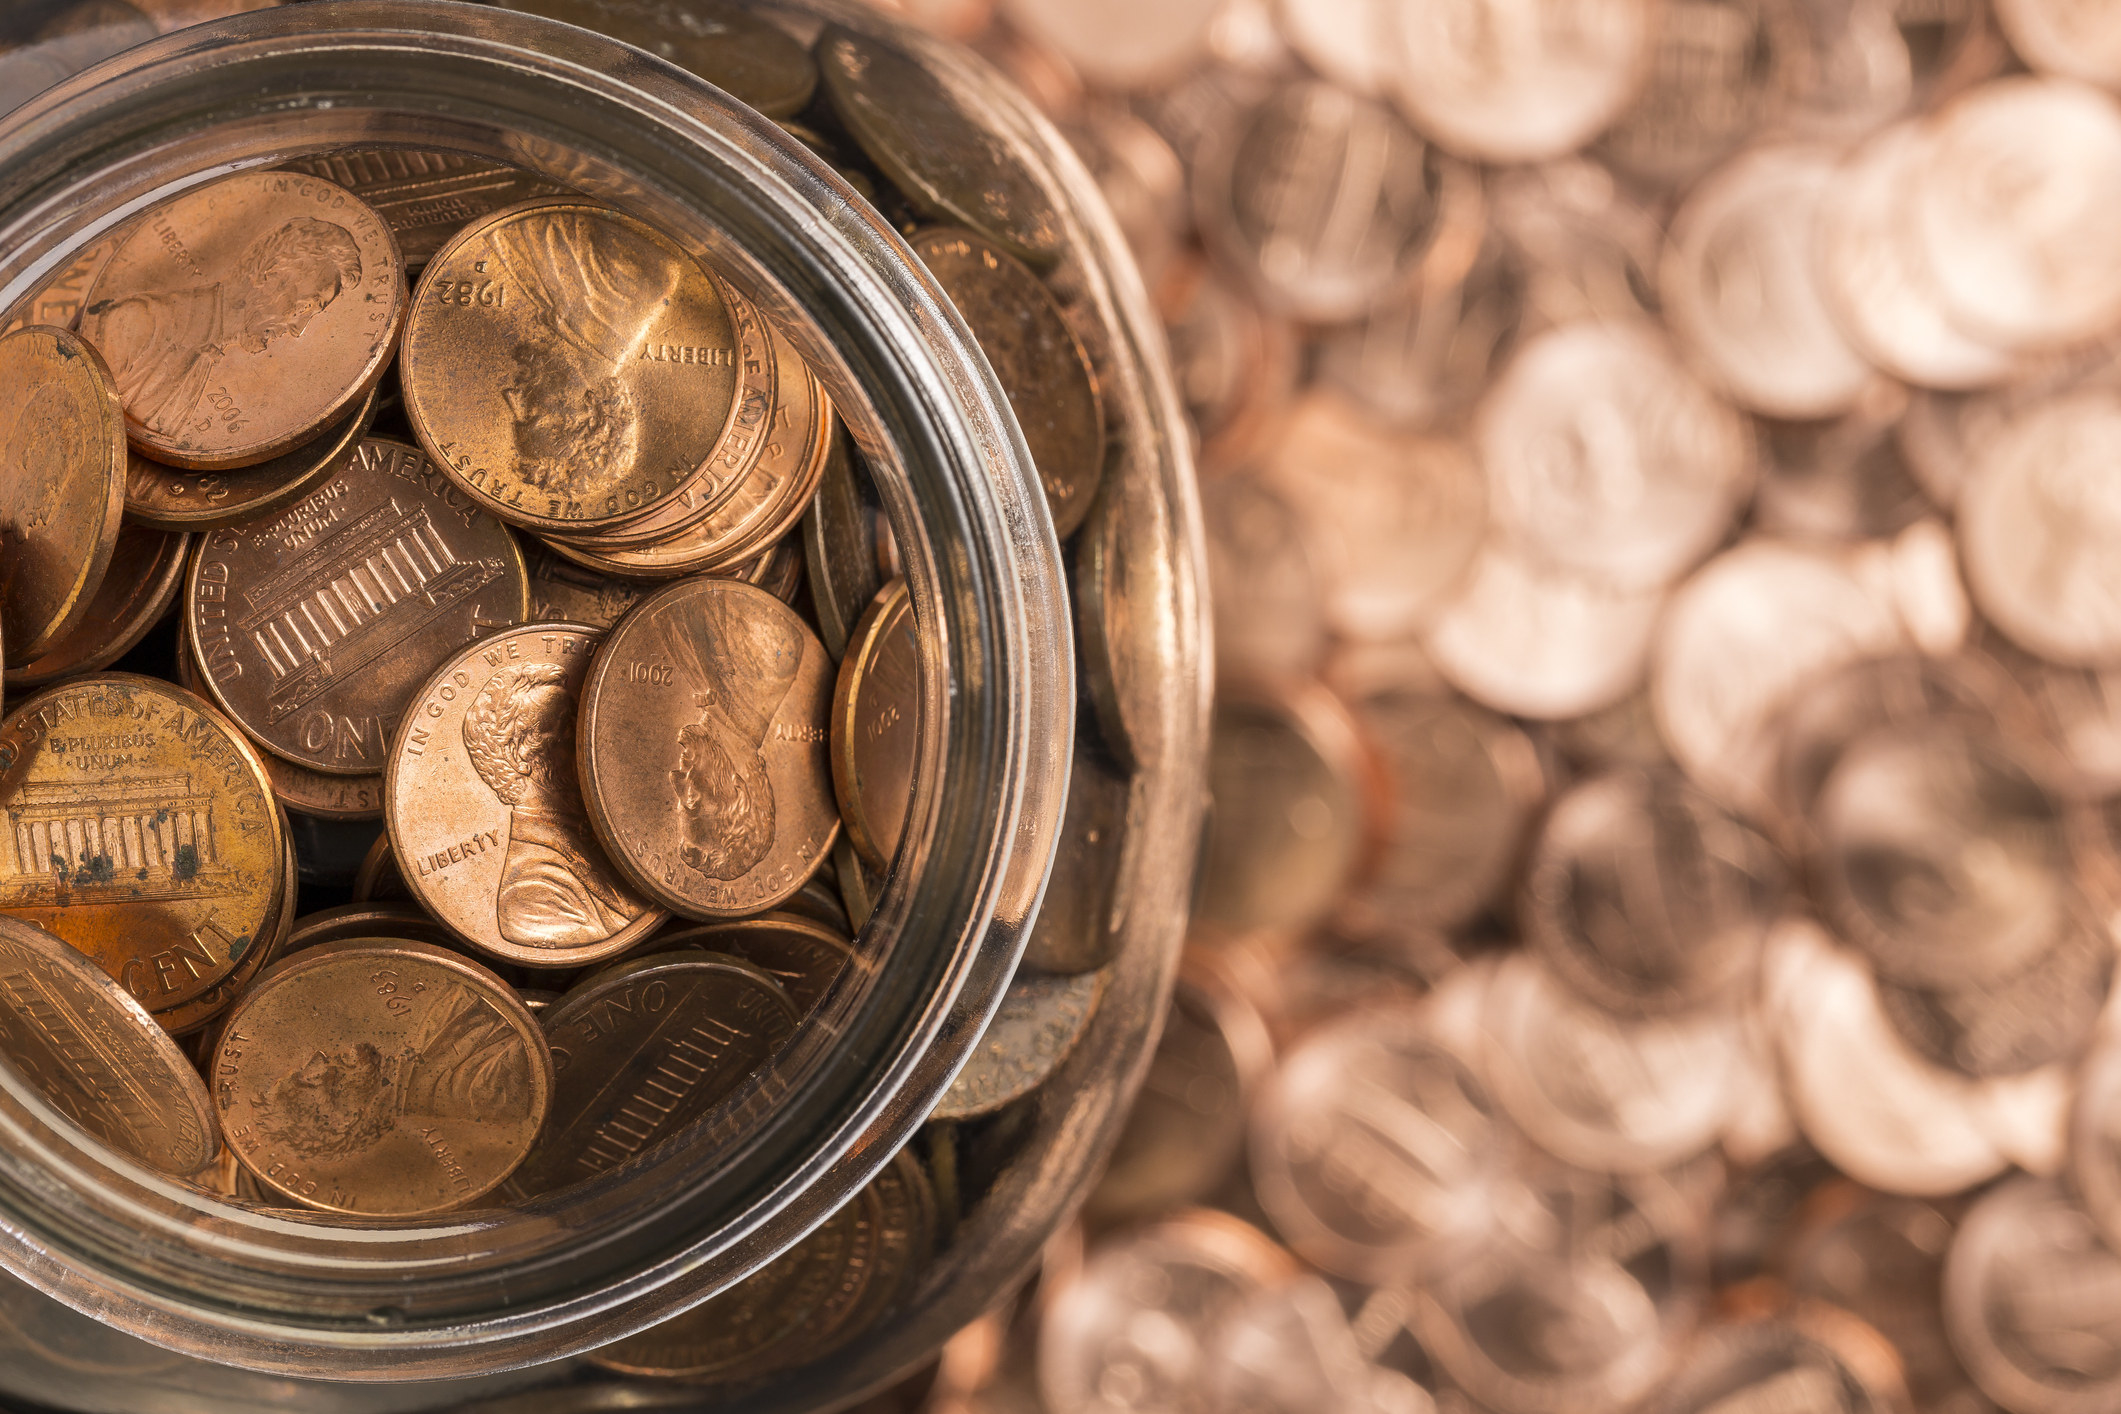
569,368
839,555
876,712
138,588
1499,85
62,467
1741,287
727,468
168,499
2034,517
1036,1028
425,197
804,955
704,749
644,1050
745,55
1840,479
1536,641
399,921
1187,1127
1117,45
1941,856
485,808
1265,585
1141,180
2056,37
1786,1365
1078,923
1615,1094
1719,70
58,301
1742,640
1591,249
946,163
1644,895
379,878
1878,288
818,901
245,316
2032,273
381,1077
1394,521
1040,364
1235,364
95,1055
562,591
1290,826
312,626
777,569
141,830
195,1018
1606,457
859,889
2023,1300
1858,71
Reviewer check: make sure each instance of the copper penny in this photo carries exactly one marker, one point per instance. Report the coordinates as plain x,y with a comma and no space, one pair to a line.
1077,928
141,829
745,55
97,1057
729,465
768,500
839,555
804,955
1038,360
562,591
312,793
876,713
401,921
313,626
169,499
140,584
645,1049
485,809
703,749
569,367
426,197
62,485
190,1018
246,316
58,300
382,1077
1039,1024
379,879
778,570
859,889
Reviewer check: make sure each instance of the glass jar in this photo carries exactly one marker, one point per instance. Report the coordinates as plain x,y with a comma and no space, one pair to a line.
173,1278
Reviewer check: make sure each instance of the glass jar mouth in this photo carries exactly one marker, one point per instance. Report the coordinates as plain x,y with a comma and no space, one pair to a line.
490,1289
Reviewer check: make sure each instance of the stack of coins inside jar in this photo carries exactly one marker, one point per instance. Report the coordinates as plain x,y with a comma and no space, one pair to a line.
463,690
1656,942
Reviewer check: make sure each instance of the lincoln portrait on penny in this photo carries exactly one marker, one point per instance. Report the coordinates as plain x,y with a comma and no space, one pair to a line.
519,734
745,665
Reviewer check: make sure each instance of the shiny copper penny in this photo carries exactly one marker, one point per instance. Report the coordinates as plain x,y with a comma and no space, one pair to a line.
569,367
876,713
703,748
312,793
245,316
196,1016
645,1049
1040,363
485,809
768,501
387,1078
58,300
804,955
314,626
141,829
62,487
138,587
96,1056
169,499
426,197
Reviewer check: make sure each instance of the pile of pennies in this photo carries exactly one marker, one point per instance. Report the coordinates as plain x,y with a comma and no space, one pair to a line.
1662,482
396,496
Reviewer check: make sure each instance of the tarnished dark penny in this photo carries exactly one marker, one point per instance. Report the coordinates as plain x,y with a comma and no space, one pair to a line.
62,485
568,366
313,626
703,749
97,1057
378,879
168,499
562,591
743,54
246,316
426,197
950,166
195,1017
1040,363
141,829
140,584
804,955
1077,928
485,809
1039,1023
382,1077
876,716
839,548
644,1049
